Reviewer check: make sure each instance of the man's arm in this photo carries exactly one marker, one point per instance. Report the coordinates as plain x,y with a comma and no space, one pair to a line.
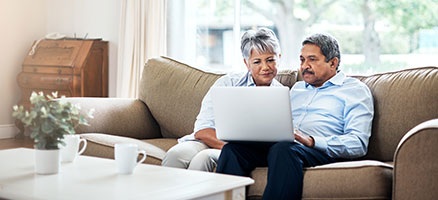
358,116
208,136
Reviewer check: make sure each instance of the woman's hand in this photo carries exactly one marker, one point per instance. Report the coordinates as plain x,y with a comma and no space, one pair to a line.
208,136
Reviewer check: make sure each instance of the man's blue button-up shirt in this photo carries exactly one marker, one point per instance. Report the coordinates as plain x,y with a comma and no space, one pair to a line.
338,115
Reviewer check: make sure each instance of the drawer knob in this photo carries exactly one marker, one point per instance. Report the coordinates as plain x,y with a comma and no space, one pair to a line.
59,71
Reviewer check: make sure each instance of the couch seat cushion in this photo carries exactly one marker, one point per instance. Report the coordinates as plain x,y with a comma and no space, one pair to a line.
102,145
342,180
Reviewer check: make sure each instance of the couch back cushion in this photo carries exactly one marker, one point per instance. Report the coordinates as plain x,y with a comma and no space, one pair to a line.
402,100
173,92
288,77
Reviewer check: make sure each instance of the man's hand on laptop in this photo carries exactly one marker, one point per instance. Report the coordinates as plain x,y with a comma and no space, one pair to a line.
304,139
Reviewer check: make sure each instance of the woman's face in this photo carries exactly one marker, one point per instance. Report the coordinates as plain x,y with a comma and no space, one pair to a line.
263,67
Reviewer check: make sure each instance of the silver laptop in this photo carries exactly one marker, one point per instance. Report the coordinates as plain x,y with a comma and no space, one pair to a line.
261,114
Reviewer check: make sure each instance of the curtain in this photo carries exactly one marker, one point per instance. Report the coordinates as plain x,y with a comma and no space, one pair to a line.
142,36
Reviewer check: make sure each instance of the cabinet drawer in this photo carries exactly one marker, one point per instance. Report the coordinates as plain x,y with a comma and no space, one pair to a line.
47,70
45,81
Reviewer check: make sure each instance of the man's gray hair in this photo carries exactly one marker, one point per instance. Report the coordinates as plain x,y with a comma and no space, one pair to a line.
263,40
328,45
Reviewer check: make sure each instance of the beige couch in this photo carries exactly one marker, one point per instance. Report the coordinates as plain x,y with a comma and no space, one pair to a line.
170,99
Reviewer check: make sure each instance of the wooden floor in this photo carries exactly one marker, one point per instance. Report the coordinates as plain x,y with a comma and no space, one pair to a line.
15,143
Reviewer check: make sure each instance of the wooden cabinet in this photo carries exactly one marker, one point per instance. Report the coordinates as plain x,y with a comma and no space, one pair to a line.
74,68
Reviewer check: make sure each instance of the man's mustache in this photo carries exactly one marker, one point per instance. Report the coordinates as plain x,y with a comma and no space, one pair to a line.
306,71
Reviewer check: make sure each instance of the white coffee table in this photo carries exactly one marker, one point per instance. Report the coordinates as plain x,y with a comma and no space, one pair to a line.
96,178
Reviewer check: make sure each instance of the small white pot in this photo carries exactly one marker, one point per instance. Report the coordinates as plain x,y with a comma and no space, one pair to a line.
47,161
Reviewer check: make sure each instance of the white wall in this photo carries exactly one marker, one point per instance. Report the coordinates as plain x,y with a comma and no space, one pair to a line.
21,22
24,21
98,18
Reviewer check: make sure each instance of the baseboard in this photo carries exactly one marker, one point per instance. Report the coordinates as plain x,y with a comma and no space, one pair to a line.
8,131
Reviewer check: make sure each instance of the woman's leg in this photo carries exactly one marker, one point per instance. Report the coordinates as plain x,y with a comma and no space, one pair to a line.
180,155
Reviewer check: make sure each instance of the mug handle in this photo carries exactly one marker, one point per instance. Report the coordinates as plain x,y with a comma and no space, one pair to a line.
83,147
144,156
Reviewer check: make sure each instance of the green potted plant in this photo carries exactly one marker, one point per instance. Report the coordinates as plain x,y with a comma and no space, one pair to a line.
48,121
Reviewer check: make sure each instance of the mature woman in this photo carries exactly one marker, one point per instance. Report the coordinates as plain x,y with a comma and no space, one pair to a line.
201,149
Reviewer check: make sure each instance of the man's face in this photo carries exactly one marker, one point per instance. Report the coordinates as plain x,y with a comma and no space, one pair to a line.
314,69
263,67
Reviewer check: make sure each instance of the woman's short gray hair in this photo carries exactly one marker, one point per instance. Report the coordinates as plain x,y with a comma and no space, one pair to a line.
263,40
328,45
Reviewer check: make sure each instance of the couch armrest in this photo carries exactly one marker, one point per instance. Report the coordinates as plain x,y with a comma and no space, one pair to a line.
416,163
118,116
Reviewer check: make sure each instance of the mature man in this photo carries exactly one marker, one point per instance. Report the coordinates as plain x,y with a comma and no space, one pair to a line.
200,150
332,115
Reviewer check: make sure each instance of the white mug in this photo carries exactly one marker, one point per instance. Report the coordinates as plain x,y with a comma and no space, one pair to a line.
126,157
69,152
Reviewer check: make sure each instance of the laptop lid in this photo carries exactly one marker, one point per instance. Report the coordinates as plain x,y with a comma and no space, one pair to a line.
261,114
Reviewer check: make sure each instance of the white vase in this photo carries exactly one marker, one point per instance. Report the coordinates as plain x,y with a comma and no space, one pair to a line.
47,161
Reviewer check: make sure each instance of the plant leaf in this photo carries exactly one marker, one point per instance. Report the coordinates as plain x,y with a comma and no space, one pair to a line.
50,119
47,127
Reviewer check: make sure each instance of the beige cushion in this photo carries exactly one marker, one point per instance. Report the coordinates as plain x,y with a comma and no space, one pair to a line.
102,145
287,77
342,180
402,100
173,91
